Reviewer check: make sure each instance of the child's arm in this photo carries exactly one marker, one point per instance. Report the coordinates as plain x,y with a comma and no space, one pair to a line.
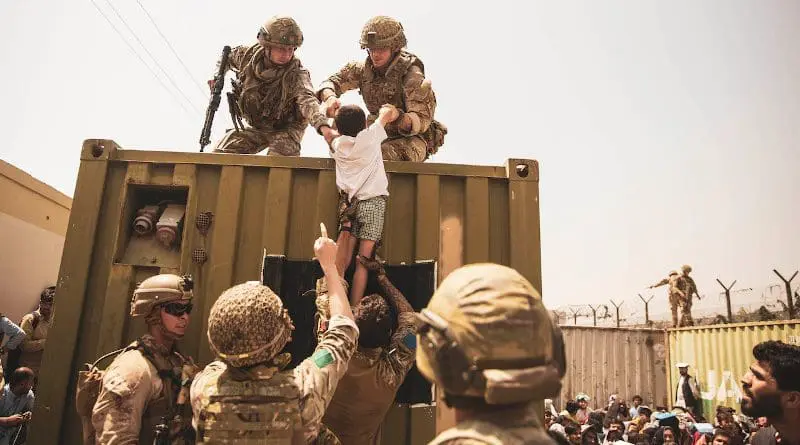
388,113
330,136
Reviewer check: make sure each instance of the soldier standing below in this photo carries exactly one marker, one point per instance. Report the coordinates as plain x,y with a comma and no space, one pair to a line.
390,75
142,384
690,291
274,94
247,396
488,342
379,366
676,295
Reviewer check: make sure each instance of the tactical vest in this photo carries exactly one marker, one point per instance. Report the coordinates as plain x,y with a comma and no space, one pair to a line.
262,103
253,412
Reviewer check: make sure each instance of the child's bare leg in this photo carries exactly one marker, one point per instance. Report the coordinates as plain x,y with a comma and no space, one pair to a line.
346,243
365,249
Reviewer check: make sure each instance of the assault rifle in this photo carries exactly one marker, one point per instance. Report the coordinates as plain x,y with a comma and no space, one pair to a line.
216,92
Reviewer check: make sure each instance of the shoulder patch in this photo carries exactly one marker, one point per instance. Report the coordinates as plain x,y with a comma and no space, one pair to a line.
322,358
410,340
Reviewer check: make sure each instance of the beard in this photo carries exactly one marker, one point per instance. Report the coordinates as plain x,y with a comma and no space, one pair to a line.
768,405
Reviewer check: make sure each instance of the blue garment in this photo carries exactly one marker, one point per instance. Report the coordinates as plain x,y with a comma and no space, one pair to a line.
14,333
10,404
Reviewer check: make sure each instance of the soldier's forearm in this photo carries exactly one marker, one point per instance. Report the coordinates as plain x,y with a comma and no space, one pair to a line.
326,93
394,293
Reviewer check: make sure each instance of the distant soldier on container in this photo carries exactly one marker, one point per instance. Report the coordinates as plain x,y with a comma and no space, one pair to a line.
690,291
488,343
248,396
273,92
676,295
141,387
390,75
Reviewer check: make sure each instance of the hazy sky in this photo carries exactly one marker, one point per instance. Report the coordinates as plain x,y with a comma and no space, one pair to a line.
668,132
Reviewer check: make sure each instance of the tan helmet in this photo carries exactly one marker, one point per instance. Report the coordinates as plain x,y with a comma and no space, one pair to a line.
686,268
486,334
673,272
248,325
280,30
383,32
160,289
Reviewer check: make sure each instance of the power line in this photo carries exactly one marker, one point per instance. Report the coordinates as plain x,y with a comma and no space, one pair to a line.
149,68
119,16
203,90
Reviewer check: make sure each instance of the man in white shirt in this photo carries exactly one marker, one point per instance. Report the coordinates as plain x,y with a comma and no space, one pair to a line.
360,174
687,393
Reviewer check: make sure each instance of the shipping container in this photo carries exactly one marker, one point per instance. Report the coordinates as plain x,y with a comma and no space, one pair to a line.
224,213
720,355
603,361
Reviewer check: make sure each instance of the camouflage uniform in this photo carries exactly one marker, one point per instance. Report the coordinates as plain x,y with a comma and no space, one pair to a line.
690,290
247,396
676,294
277,101
378,372
488,342
142,384
402,84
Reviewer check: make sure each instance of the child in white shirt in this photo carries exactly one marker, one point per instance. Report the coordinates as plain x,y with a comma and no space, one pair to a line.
360,174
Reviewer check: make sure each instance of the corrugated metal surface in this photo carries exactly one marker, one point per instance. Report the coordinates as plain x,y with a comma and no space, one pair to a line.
605,361
453,214
720,355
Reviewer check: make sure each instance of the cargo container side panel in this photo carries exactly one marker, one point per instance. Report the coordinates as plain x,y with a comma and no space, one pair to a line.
249,249
498,217
720,355
427,218
303,230
398,230
276,217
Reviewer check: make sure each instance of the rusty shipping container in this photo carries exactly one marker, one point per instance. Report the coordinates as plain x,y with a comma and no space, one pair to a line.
445,215
624,361
720,355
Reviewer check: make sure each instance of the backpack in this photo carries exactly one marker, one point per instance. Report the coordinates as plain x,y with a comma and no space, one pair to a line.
89,384
12,361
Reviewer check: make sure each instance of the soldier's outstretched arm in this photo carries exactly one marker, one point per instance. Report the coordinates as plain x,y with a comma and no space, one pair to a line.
348,78
308,104
420,103
391,292
661,283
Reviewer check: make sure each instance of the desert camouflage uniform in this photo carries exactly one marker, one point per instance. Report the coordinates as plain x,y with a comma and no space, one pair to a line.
402,84
134,398
277,101
378,372
690,290
677,295
497,428
303,392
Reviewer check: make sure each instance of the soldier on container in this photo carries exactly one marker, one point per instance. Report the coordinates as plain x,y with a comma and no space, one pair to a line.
676,295
390,75
274,93
247,395
142,385
690,291
488,342
384,357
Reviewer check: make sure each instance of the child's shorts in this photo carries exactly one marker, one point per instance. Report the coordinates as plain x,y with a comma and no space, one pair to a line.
368,224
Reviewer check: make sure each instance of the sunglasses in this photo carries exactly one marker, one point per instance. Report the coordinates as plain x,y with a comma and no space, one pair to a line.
178,309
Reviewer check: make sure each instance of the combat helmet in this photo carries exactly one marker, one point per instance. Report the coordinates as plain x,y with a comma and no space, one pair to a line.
383,32
686,268
280,30
248,325
160,289
485,334
673,272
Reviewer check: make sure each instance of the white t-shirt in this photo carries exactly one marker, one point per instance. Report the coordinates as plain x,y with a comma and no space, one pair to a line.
359,163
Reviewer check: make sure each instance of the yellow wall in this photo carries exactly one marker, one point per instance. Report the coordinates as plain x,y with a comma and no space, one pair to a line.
33,223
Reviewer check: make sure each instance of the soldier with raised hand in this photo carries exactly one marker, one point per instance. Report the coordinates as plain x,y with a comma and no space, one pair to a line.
143,384
247,395
379,366
394,76
273,92
488,343
676,294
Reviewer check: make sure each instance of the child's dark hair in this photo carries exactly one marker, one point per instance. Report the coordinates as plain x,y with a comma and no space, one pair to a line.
350,119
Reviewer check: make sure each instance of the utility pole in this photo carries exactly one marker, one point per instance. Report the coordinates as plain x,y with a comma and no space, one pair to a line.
646,309
594,313
728,298
788,291
617,306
